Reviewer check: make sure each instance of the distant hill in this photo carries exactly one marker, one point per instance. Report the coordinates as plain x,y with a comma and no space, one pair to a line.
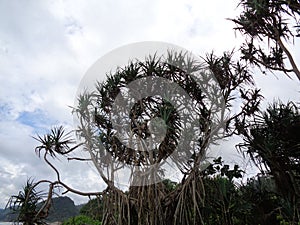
62,208
6,215
2,214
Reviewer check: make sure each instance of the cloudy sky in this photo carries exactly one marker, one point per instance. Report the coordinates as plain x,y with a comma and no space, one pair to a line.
47,46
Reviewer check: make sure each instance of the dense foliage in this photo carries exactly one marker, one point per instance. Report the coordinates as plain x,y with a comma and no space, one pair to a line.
93,209
272,140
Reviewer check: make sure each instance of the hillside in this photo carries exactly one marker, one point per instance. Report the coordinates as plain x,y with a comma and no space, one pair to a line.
6,215
62,208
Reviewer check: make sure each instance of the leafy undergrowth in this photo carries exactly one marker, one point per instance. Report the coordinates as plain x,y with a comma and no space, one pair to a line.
81,219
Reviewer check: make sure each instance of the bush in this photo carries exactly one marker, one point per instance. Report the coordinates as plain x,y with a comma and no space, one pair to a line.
81,220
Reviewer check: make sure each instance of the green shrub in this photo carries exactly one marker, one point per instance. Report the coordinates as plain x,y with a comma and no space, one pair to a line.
81,220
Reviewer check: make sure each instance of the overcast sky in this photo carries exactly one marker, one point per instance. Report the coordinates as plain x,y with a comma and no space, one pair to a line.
47,46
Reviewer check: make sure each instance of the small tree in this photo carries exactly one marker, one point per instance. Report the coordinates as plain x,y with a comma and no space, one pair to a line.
25,204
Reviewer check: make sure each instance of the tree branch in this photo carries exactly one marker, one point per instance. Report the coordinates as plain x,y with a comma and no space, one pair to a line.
289,55
53,167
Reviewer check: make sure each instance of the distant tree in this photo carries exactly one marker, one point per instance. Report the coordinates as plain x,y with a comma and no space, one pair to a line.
266,26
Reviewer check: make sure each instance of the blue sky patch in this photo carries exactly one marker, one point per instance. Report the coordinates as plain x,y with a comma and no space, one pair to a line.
37,119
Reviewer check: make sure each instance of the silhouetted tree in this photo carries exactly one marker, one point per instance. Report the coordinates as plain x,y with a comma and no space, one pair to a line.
266,26
221,78
25,205
273,142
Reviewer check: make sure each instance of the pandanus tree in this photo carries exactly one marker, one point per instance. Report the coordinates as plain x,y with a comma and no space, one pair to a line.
30,205
271,138
273,143
145,118
25,204
269,27
122,119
